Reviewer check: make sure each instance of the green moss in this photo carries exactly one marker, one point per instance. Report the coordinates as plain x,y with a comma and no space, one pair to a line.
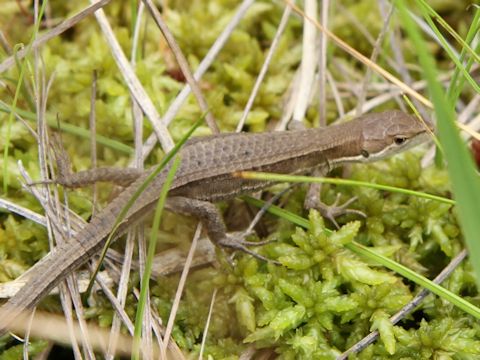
323,298
16,352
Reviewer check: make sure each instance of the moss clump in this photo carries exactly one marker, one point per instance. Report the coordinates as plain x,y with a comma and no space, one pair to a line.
323,298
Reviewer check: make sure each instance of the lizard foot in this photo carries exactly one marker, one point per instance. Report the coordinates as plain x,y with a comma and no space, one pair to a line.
236,241
331,212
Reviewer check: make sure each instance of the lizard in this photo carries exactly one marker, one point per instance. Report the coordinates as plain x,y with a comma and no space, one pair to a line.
206,175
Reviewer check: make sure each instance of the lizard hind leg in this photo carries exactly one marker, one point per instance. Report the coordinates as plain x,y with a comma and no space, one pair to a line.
235,241
211,218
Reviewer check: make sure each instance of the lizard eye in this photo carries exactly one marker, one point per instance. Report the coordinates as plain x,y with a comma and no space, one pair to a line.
365,153
399,140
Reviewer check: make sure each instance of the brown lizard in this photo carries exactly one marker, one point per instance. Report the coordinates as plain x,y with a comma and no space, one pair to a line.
205,176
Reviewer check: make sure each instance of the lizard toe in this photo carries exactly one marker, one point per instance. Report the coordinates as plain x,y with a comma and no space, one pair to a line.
235,242
336,209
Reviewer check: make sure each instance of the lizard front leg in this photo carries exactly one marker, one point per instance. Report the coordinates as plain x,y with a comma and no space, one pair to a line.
313,199
330,212
211,218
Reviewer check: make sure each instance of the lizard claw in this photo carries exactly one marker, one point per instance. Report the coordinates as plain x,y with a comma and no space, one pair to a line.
236,241
331,212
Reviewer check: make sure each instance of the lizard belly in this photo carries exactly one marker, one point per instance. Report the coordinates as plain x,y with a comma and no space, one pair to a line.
227,186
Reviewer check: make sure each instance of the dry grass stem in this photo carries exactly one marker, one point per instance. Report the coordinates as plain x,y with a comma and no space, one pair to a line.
363,59
202,68
308,63
182,62
62,27
133,83
263,71
181,285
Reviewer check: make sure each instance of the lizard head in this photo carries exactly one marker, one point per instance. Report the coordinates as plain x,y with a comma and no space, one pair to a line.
391,132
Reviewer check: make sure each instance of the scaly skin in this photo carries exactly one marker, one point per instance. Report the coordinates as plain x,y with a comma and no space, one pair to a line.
205,176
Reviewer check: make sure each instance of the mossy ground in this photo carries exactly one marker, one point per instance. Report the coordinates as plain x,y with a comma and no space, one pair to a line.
324,298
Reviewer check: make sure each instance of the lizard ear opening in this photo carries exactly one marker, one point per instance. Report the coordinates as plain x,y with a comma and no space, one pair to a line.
364,153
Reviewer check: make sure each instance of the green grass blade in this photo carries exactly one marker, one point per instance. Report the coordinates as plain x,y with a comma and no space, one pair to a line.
337,181
24,86
150,257
459,67
460,165
71,129
15,97
373,256
136,195
425,6
456,84
277,211
416,278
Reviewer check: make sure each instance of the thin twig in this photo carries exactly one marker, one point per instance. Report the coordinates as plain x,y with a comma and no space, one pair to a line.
10,288
138,163
4,43
93,142
263,71
119,311
207,324
369,339
57,30
394,42
122,291
41,143
182,62
357,55
146,338
265,208
362,29
470,110
157,327
181,286
66,302
289,102
22,211
309,61
26,340
376,50
336,94
202,68
74,298
53,327
133,83
322,68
